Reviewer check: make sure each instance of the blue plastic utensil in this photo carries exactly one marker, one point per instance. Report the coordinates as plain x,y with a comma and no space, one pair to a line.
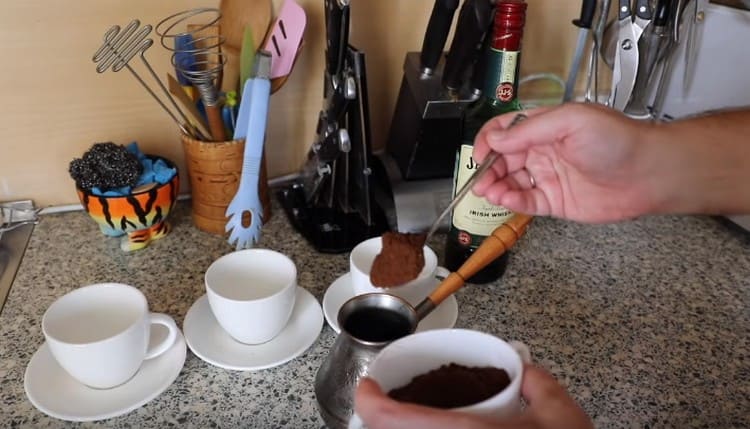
183,57
251,125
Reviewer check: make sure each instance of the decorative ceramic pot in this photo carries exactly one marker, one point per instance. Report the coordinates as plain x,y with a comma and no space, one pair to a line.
139,217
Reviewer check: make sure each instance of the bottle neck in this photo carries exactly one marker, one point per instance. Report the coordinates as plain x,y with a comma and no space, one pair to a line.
501,77
501,81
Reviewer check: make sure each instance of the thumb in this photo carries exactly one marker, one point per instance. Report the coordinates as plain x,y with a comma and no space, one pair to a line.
549,403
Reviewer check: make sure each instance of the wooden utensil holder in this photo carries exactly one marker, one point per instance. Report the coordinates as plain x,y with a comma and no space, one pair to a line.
214,170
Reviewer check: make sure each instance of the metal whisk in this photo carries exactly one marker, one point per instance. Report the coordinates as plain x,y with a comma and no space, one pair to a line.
209,62
120,47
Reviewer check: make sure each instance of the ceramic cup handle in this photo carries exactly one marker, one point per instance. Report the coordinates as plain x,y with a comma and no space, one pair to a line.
355,422
164,345
522,350
441,272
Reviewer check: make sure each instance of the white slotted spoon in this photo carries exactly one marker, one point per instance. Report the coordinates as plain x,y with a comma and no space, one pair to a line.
251,125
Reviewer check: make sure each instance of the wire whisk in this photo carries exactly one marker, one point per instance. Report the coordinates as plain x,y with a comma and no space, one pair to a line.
207,66
120,47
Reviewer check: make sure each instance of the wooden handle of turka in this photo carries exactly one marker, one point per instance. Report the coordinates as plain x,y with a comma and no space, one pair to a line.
215,123
502,239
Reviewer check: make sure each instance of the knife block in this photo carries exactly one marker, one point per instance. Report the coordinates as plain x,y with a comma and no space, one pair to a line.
426,126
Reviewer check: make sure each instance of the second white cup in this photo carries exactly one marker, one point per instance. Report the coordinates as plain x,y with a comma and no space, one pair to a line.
251,293
360,263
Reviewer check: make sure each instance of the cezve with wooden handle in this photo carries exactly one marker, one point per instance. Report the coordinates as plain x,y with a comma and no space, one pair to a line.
502,239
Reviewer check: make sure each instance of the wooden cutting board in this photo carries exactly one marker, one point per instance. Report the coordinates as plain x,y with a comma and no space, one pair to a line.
236,14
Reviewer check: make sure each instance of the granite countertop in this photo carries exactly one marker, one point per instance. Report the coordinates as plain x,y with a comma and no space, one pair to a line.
646,322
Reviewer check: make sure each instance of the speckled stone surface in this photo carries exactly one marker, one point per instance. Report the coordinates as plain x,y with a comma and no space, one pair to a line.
647,322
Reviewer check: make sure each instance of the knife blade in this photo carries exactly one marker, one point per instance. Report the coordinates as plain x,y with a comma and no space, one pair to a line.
436,34
588,8
473,22
337,34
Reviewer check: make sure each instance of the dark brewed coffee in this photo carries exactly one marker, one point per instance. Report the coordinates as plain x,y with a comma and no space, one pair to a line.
376,324
452,386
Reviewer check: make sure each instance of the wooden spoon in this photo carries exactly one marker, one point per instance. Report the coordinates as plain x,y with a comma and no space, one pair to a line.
237,14
502,239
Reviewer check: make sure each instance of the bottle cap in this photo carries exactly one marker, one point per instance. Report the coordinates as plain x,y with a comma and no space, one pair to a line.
510,17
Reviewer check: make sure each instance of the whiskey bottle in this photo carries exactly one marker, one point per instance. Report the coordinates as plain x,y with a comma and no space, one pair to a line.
473,219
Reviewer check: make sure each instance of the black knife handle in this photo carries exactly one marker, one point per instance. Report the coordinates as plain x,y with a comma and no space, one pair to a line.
337,34
643,9
623,11
588,8
437,33
473,22
480,65
661,15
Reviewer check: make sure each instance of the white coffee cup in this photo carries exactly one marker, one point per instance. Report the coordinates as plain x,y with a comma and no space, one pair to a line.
100,333
402,360
360,264
251,293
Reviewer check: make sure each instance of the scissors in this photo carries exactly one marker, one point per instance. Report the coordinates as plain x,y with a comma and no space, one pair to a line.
630,28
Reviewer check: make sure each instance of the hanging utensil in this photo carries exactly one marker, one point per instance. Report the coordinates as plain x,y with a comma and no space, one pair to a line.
668,59
649,49
588,8
630,27
251,125
694,21
592,74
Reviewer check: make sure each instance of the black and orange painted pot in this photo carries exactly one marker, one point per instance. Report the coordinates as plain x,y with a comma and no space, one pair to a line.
138,218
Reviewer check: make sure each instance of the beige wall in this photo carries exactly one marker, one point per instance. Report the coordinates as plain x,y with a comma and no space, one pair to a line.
54,104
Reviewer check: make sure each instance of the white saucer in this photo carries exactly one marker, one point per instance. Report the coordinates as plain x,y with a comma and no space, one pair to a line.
57,394
341,290
210,342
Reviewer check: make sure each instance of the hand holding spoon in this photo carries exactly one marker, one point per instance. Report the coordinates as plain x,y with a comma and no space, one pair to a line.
478,173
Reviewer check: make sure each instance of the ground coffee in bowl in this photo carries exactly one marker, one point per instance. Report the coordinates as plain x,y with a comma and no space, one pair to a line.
453,386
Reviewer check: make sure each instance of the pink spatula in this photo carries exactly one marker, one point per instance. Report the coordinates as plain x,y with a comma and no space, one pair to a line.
285,37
